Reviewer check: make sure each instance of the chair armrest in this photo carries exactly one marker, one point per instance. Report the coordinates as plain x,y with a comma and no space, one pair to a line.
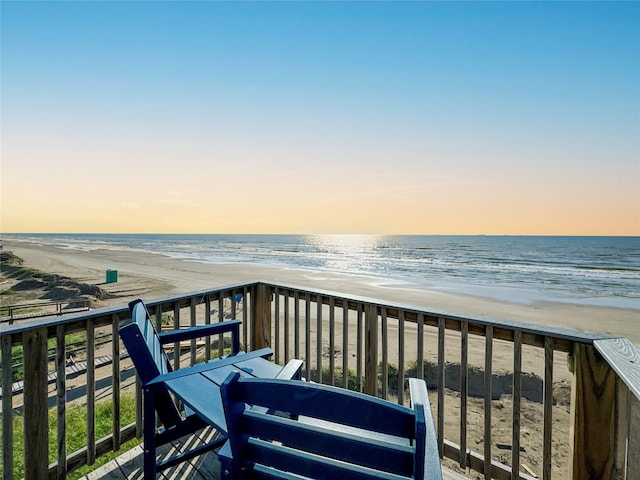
427,456
291,371
418,392
198,331
203,367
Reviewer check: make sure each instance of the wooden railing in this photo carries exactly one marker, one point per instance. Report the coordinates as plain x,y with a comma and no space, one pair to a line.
28,344
518,425
12,313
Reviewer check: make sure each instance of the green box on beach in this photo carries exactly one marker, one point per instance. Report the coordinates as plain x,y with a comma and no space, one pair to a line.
112,276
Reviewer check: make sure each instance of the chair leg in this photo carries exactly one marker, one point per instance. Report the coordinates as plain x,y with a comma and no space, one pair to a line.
149,430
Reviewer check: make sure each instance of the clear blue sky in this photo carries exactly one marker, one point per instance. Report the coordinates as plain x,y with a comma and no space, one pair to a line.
321,117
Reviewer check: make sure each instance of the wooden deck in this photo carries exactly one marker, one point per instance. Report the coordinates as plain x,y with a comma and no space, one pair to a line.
128,466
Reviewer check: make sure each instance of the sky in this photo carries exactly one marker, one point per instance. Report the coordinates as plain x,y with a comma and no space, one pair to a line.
517,118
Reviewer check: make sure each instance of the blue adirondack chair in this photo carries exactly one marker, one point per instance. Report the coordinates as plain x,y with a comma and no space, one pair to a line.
296,430
197,387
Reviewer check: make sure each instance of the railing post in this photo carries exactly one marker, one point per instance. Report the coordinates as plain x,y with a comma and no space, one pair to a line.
633,453
36,429
371,351
592,415
261,318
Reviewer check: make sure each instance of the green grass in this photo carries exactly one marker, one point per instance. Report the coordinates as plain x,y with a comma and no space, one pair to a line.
76,434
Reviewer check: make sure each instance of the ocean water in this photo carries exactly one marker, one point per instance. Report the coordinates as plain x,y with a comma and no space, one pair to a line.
585,270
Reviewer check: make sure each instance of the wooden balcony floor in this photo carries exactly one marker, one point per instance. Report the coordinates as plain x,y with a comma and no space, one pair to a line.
129,464
205,467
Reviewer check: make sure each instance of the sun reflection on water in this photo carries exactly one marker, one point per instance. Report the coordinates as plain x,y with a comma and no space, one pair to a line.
345,252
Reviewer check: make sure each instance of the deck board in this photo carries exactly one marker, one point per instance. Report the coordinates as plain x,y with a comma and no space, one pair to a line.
128,466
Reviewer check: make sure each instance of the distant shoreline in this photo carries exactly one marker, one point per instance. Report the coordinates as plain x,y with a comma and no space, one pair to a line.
586,271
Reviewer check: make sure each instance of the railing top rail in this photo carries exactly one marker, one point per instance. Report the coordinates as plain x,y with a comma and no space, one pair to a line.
624,357
45,304
71,318
566,334
65,319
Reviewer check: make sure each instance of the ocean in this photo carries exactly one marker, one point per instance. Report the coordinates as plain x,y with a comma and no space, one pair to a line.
602,271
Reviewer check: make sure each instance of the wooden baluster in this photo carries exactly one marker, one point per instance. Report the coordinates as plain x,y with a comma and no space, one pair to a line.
441,384
115,373
91,393
488,393
401,357
385,353
359,347
319,338
159,318
221,319
192,323
345,343
307,334
296,326
207,321
276,342
420,340
464,390
7,409
286,327
332,341
176,325
371,349
516,396
61,400
245,313
547,418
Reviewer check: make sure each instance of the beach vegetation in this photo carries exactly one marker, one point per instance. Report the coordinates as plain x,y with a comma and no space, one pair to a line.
352,378
76,419
392,377
203,358
429,373
30,283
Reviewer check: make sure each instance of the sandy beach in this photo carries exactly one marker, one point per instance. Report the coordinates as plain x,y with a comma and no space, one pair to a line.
149,276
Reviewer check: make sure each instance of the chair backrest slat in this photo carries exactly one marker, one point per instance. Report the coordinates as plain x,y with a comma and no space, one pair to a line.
144,347
330,440
319,401
310,465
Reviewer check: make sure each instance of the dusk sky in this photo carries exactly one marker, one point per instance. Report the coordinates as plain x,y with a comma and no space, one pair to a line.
321,117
